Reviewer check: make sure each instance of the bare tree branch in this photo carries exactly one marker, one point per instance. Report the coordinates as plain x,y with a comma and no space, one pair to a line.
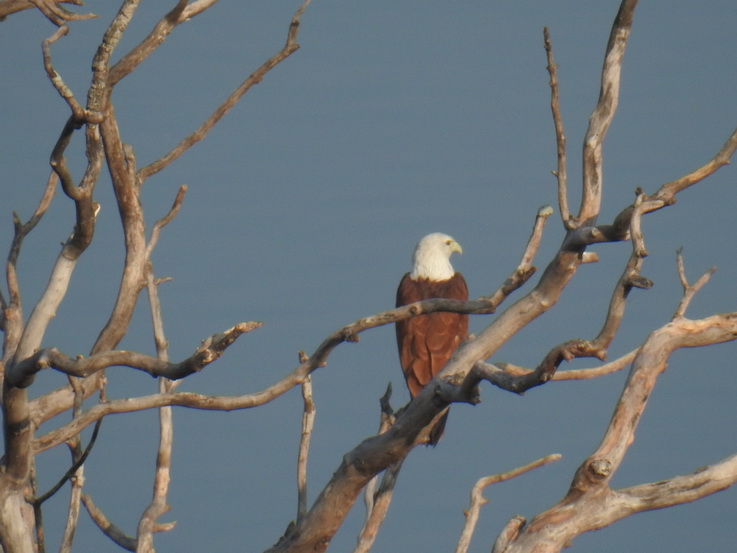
256,77
590,504
512,370
666,194
80,114
12,313
77,463
52,9
478,499
561,173
128,63
158,506
603,114
689,291
378,501
380,506
308,421
107,527
210,350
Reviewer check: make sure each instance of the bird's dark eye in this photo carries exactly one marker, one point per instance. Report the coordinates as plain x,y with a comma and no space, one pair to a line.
447,242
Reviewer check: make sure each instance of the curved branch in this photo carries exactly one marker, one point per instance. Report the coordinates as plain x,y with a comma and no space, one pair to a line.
107,527
511,370
210,350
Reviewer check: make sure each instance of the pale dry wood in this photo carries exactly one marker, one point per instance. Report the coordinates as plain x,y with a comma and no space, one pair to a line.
76,479
603,115
80,114
513,370
11,318
666,194
158,506
378,501
561,173
689,291
207,352
478,500
631,278
256,77
52,10
308,422
591,504
379,507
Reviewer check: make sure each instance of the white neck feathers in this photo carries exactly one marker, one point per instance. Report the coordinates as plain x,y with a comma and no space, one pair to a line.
431,259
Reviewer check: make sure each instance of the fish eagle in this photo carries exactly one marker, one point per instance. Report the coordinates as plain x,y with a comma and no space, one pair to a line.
426,342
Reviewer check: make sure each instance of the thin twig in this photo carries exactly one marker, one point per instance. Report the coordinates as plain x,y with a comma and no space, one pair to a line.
688,290
511,370
107,527
80,114
478,499
560,137
77,478
524,271
11,317
158,505
161,223
78,463
666,194
256,77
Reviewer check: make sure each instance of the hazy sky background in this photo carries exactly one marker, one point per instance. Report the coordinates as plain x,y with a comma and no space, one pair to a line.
394,119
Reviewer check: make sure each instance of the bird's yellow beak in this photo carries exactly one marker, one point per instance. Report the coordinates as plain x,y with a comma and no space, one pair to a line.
456,247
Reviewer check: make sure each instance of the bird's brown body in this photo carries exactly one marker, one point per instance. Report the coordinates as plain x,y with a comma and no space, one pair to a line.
426,342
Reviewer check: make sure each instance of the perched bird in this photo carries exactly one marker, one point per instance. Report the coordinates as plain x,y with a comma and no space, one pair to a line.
426,342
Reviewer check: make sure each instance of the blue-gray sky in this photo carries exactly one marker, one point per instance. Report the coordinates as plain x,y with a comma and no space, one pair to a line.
393,120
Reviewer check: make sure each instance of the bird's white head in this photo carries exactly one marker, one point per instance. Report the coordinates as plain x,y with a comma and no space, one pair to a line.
431,259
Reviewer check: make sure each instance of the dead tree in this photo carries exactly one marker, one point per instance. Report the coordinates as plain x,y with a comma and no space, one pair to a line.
590,503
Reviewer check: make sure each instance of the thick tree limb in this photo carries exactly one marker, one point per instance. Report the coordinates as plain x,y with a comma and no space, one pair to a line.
603,114
590,504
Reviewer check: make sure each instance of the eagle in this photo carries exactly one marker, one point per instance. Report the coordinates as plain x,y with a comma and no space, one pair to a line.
426,342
